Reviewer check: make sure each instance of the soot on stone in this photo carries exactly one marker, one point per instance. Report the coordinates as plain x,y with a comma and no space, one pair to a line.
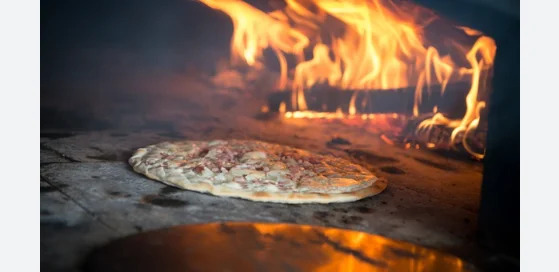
114,156
368,156
322,216
164,201
363,209
169,190
435,164
351,220
392,170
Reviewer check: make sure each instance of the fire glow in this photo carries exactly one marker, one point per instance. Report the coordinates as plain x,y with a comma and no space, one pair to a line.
358,45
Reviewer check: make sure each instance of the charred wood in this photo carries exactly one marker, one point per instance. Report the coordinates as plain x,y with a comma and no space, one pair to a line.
328,99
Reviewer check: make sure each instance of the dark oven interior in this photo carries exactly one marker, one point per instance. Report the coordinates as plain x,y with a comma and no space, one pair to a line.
117,76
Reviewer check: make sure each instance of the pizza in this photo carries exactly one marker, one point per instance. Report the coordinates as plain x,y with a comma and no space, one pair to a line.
257,171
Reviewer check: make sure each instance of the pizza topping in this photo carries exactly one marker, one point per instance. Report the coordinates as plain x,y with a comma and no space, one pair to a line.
216,142
198,169
203,152
220,178
313,160
262,168
255,155
255,166
255,176
277,166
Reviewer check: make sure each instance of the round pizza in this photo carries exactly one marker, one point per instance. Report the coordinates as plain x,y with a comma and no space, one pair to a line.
257,171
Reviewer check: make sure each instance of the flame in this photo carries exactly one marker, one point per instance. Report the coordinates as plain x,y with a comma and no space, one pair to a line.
381,45
485,48
360,45
282,107
378,249
386,139
331,249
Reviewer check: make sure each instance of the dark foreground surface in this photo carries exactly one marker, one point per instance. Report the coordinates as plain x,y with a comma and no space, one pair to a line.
90,195
265,247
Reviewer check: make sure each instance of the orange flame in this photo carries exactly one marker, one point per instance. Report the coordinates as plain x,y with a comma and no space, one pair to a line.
358,45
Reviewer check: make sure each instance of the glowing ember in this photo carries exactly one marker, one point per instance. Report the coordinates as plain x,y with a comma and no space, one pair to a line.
362,45
337,115
386,139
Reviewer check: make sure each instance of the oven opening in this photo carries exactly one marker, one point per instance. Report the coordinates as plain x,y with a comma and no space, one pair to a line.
374,134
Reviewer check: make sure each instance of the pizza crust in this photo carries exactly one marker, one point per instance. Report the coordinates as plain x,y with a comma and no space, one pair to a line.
312,193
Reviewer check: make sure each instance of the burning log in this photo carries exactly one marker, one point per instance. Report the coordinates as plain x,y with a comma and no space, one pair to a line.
440,137
362,62
329,99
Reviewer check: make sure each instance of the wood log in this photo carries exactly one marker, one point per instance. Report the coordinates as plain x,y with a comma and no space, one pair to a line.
329,99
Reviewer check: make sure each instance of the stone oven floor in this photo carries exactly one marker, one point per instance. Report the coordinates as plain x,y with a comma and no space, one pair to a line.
91,196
